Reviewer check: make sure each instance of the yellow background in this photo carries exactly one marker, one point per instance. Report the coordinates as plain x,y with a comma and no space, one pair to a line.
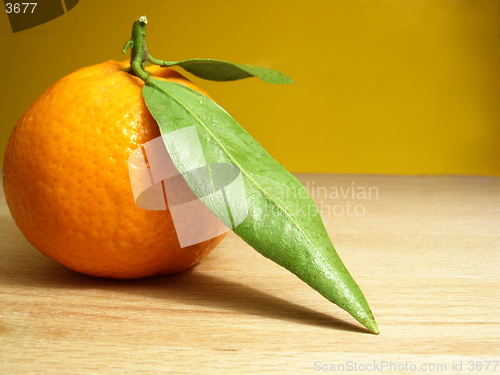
382,86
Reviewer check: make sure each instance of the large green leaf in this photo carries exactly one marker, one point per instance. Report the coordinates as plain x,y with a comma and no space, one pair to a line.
218,70
280,220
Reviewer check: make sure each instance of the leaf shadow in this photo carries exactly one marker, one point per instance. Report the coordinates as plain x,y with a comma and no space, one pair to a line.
27,267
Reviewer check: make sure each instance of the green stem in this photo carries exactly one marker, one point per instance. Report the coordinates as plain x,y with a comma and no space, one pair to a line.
154,61
139,55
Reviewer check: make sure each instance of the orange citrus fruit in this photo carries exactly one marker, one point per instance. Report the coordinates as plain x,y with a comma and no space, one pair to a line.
67,184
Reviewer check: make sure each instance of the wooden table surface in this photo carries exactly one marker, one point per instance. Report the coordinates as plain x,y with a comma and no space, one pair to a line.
425,251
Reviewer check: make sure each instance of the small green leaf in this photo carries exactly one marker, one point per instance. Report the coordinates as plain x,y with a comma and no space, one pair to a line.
217,70
272,211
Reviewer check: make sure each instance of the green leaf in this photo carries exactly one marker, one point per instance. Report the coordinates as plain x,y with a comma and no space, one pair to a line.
217,70
272,212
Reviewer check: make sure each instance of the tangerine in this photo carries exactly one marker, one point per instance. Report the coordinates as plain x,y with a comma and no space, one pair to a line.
66,177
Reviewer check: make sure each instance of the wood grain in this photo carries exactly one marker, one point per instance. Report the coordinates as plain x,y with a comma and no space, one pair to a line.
425,252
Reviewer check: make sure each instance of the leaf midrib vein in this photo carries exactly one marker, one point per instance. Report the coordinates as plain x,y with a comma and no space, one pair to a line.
269,197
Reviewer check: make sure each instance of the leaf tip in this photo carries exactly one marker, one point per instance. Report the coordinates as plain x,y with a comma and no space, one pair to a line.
373,328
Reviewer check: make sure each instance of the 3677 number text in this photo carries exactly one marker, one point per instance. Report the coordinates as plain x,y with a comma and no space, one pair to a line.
478,366
17,7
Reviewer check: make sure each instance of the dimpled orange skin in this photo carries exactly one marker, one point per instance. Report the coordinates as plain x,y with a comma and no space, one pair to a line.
66,177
